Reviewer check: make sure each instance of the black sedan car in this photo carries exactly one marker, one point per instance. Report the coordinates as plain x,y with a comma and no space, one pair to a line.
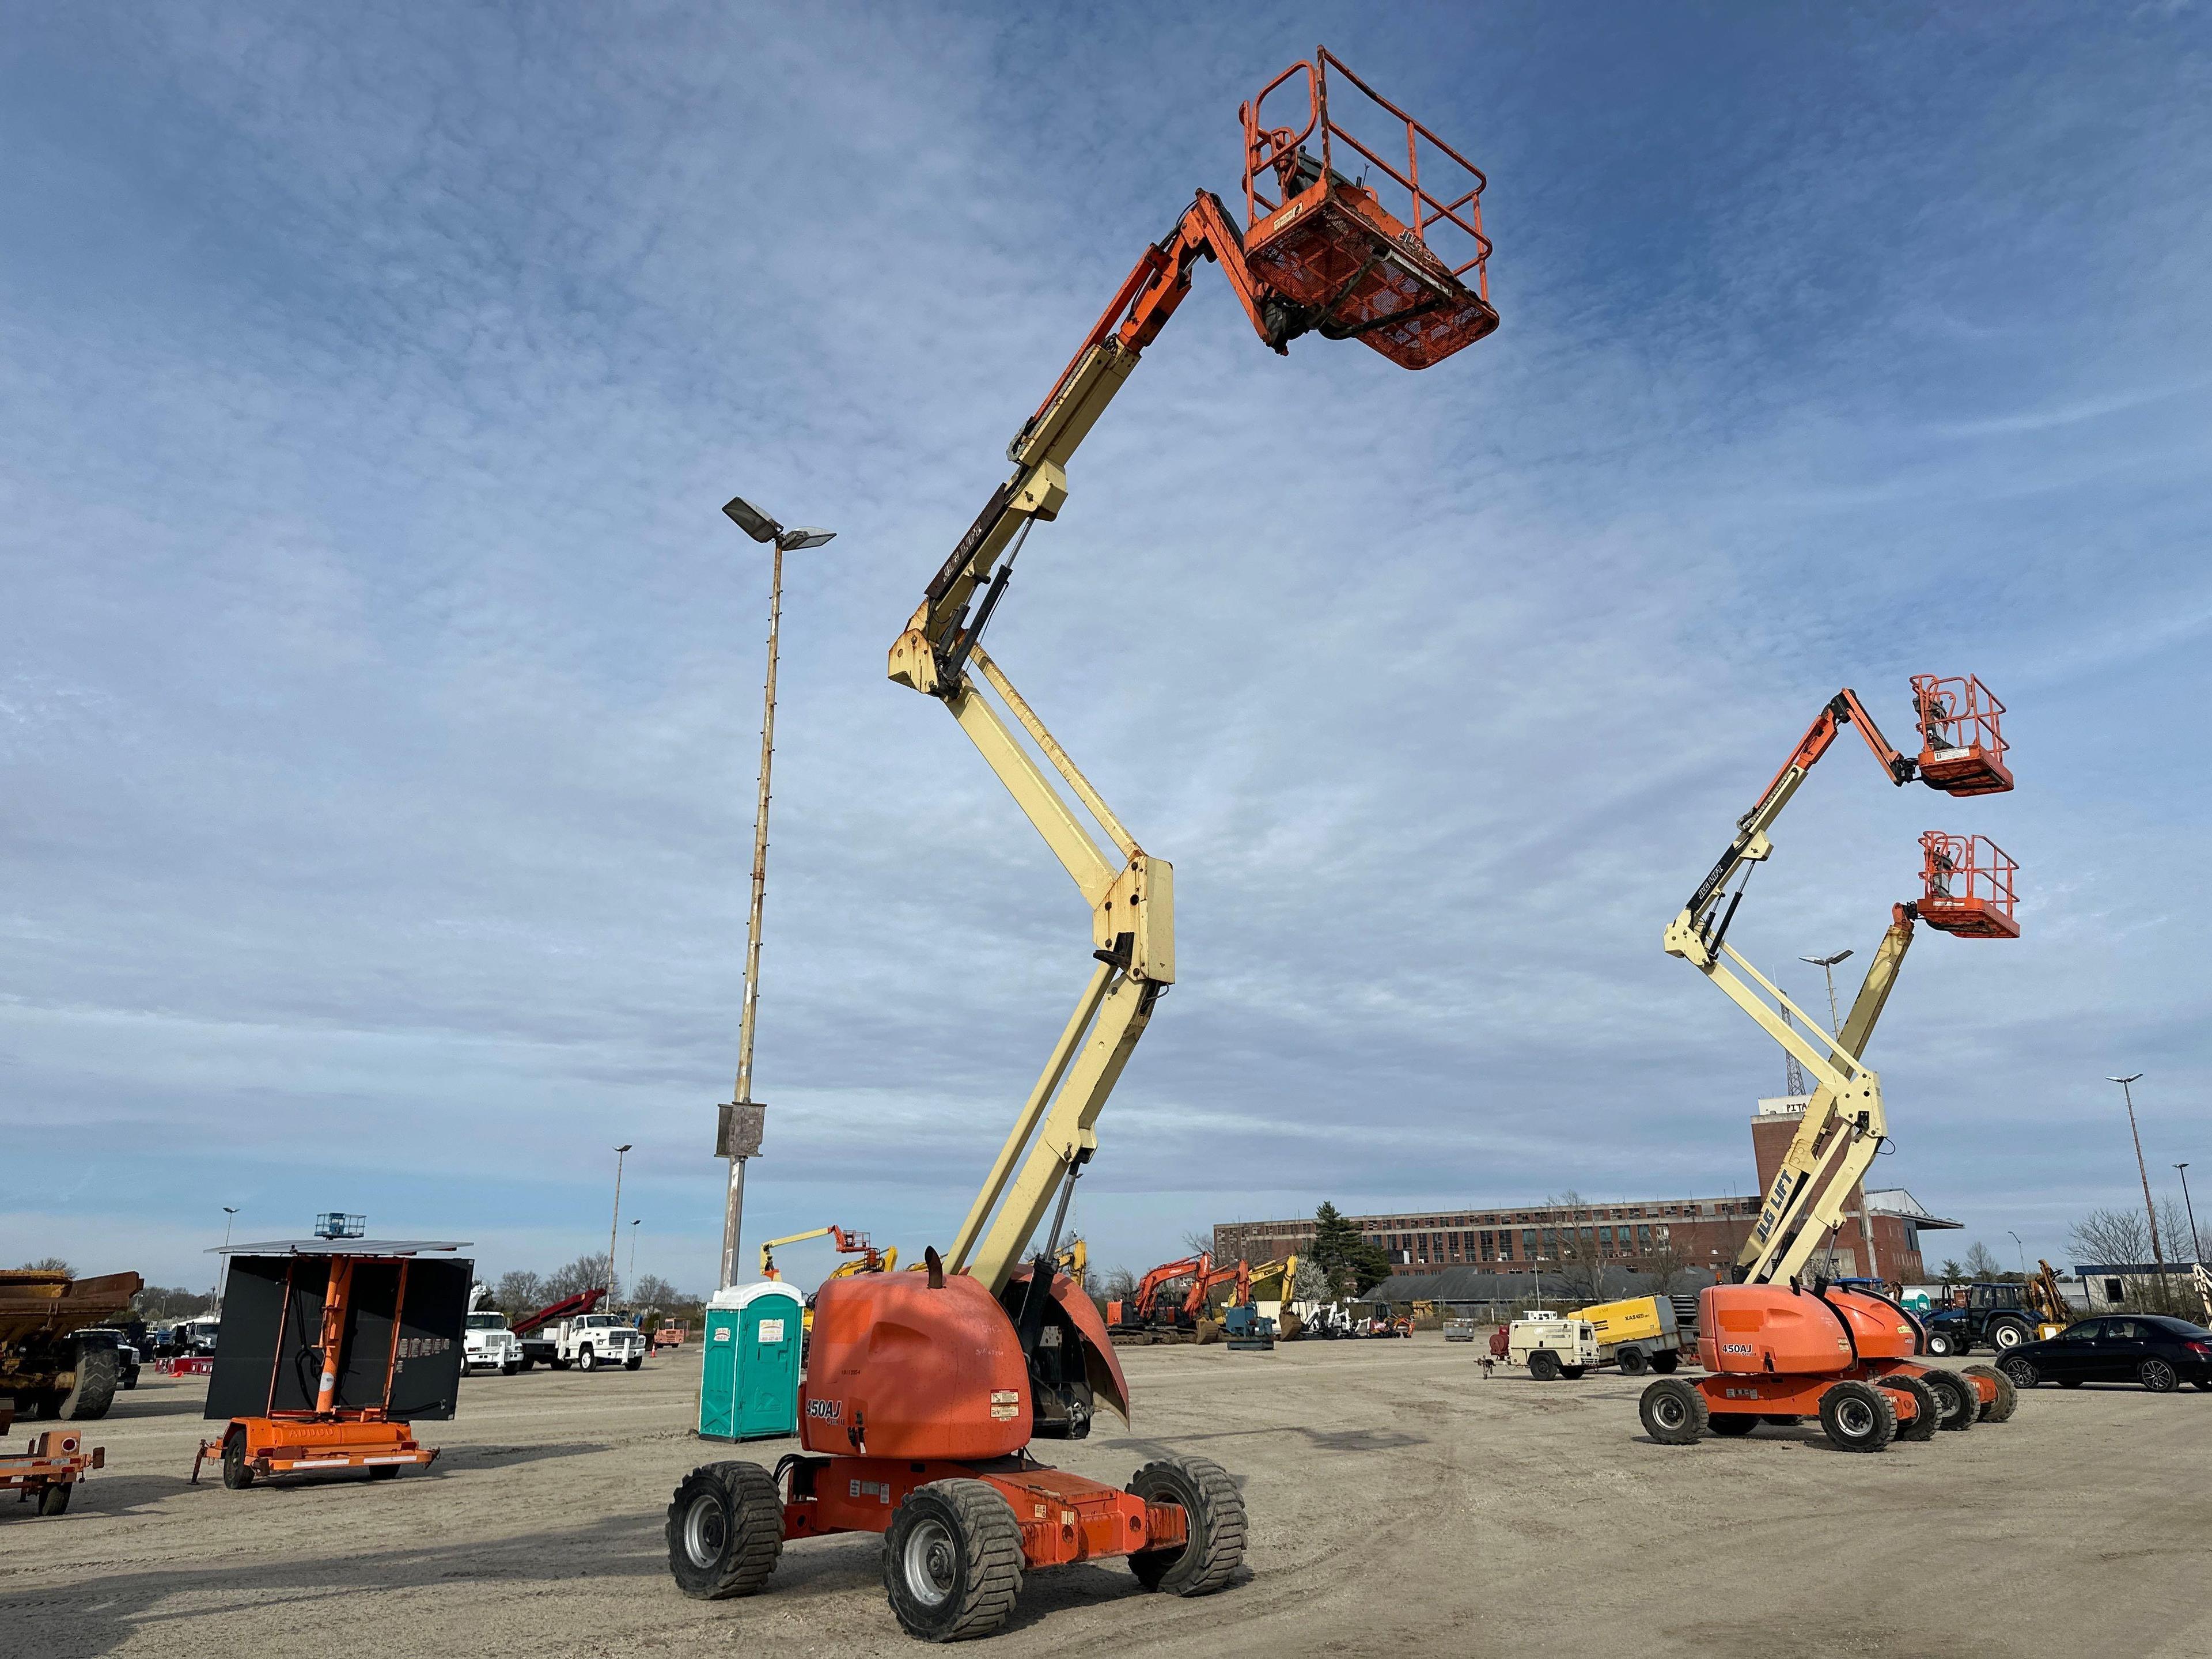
2157,1350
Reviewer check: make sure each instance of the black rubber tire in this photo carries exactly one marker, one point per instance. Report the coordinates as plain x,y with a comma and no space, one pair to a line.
2001,1409
2020,1370
1857,1417
1633,1362
1961,1402
527,1363
1928,1415
1213,1514
237,1474
2158,1375
1732,1425
1666,1361
2009,1334
1673,1410
1573,1373
510,1368
632,1364
1943,1345
1544,1365
98,1371
952,1561
54,1500
725,1531
585,1359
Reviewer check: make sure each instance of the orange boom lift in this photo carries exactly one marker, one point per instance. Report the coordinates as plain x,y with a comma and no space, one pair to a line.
925,1390
1781,1347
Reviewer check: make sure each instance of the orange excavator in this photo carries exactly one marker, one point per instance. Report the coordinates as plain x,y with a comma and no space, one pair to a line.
1781,1348
1140,1311
926,1390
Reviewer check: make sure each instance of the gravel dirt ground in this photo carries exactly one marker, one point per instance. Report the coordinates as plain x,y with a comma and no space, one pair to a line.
1400,1502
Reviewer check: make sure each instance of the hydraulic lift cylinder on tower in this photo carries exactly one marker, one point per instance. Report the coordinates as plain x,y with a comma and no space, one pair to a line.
925,1389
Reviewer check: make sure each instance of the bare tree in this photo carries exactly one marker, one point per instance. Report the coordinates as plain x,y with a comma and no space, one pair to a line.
48,1264
586,1273
1197,1241
1981,1265
520,1293
1577,1261
1119,1285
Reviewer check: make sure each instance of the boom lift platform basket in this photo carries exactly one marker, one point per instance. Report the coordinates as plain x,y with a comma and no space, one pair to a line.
1970,882
1962,749
1330,243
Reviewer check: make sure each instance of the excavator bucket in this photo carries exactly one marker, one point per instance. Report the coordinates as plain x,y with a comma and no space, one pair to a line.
1969,883
1354,254
1962,747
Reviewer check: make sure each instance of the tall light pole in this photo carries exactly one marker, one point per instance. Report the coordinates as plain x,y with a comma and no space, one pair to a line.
1828,966
742,1118
2150,1210
2023,1248
633,1220
2196,1250
615,1228
229,1214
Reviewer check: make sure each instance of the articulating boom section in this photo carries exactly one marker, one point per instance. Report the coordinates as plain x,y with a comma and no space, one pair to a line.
1327,258
1969,892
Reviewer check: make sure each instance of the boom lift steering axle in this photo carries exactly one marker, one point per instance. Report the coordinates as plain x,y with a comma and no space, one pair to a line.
924,1391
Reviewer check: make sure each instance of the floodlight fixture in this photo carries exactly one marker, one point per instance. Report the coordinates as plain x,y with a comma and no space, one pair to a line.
750,520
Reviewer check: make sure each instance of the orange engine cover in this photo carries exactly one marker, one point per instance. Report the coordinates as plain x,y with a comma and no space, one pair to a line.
1881,1329
898,1370
1768,1327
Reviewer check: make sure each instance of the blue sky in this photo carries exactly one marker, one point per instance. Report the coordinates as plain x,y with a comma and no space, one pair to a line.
379,682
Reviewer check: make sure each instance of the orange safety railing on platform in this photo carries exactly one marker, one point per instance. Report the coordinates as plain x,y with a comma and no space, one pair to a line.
1971,886
1962,742
1278,150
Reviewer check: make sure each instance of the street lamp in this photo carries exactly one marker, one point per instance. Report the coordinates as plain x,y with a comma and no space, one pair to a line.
739,1135
633,1220
1827,965
230,1212
2157,1249
615,1228
2196,1249
2023,1248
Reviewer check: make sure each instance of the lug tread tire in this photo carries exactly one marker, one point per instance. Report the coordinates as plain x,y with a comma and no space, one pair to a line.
1930,1415
1695,1414
990,1542
237,1472
1969,1398
99,1373
1214,1511
2019,1335
752,1531
2001,1409
1843,1393
1942,1344
1634,1362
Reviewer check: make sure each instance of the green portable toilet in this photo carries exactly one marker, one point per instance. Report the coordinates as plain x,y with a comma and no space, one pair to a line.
749,1375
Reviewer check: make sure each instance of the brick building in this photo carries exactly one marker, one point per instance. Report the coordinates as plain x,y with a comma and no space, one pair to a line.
1646,1235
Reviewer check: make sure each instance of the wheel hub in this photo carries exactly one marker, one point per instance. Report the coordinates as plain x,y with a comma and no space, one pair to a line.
1854,1418
932,1564
706,1531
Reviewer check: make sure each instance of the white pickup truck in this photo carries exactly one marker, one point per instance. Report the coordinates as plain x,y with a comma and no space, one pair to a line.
587,1342
489,1344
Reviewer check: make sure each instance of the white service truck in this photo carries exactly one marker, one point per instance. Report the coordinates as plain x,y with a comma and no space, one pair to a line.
1551,1345
487,1344
587,1342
